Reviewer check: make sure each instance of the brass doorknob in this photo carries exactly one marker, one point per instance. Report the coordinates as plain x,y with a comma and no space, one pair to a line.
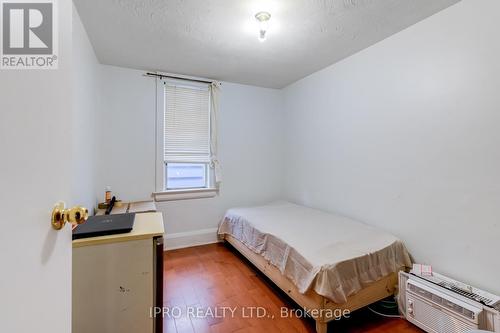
61,215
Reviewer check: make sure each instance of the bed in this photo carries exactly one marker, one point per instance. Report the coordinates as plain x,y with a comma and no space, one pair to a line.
325,262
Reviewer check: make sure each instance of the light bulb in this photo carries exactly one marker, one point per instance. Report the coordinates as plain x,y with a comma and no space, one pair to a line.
263,18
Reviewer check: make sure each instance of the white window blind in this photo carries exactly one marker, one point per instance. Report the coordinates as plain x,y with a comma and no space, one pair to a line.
187,124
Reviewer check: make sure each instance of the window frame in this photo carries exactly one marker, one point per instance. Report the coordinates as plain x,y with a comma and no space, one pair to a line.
161,192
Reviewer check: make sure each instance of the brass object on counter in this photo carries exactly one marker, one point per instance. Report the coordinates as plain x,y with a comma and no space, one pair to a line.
104,205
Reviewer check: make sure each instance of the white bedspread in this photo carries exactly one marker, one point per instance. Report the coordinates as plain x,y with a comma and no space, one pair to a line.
333,254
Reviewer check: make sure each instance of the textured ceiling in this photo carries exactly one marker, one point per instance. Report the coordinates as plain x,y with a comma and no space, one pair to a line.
218,38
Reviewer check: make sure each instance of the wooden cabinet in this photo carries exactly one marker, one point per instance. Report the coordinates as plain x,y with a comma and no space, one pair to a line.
117,279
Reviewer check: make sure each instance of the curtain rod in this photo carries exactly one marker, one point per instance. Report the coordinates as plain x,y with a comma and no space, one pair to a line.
176,77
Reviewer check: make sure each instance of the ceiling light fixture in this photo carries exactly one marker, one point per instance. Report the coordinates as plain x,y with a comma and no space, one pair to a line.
263,18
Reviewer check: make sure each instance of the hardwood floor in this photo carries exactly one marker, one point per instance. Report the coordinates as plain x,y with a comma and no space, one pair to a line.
202,282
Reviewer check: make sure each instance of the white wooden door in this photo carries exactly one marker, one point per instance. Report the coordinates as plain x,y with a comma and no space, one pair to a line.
35,173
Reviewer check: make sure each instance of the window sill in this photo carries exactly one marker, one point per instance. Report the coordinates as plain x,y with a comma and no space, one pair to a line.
185,194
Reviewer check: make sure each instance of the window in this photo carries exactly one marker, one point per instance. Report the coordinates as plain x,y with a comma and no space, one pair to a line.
186,175
183,139
186,136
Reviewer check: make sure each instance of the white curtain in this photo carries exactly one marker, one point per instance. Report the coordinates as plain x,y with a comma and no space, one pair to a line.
214,110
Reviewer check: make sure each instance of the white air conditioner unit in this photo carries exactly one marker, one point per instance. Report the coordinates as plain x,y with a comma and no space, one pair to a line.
434,306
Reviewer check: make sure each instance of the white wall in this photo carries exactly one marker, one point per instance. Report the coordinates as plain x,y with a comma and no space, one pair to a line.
405,136
126,142
250,148
86,109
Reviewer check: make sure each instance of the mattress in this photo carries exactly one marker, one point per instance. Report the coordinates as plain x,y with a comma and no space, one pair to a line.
334,255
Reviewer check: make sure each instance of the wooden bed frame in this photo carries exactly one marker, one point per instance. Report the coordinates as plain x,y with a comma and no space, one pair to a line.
311,300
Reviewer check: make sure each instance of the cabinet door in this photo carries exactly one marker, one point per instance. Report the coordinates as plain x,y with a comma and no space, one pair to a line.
113,287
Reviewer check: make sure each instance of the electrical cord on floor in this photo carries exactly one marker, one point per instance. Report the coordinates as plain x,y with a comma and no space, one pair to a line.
387,304
384,315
